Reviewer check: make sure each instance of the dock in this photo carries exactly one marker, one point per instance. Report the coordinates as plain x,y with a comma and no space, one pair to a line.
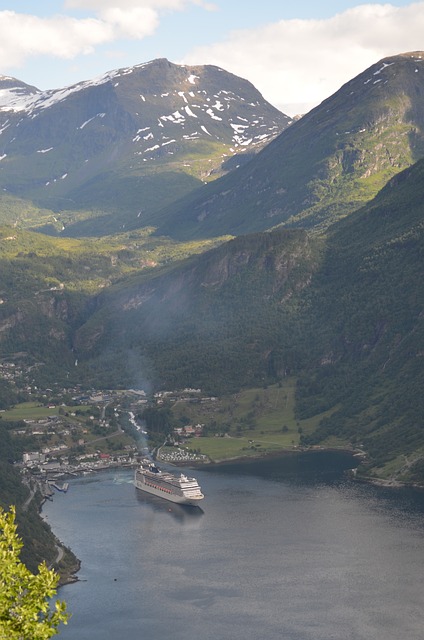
64,487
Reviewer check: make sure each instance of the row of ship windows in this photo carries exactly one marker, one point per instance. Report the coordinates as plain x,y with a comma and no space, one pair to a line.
150,484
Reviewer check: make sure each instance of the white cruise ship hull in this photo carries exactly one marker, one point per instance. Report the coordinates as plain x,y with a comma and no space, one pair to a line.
181,490
167,496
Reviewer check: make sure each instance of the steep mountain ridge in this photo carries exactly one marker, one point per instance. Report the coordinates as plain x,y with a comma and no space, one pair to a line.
13,91
344,313
323,166
49,286
340,310
366,328
222,320
131,140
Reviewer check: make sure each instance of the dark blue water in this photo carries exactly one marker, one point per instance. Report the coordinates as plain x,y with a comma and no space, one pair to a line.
286,549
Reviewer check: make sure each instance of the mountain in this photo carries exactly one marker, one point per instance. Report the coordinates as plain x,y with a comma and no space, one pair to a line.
13,91
324,166
366,331
342,312
129,142
49,287
222,320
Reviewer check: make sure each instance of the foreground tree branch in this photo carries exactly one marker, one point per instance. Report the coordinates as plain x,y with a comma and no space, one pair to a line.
25,612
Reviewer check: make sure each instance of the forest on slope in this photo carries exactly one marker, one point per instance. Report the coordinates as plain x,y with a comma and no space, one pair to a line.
337,305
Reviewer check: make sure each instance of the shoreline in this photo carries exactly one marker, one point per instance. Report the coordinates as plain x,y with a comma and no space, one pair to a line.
389,483
71,577
275,454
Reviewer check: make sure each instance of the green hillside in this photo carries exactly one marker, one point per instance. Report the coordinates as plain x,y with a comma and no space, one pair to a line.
334,308
321,168
223,320
305,319
366,322
39,542
49,286
342,312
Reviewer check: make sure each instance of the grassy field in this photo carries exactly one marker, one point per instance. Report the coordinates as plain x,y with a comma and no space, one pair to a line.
254,422
251,423
35,411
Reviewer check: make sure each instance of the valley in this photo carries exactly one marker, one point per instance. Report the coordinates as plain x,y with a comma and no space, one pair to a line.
276,265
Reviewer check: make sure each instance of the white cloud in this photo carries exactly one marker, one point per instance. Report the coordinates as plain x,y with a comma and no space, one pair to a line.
63,36
155,5
136,22
24,35
298,63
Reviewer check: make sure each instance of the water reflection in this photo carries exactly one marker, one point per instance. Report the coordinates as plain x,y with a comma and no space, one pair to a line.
273,555
181,512
306,468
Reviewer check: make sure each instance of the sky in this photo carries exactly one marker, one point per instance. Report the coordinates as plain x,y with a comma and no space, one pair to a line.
295,53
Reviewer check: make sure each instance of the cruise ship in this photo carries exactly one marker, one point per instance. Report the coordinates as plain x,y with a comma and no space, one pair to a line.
181,489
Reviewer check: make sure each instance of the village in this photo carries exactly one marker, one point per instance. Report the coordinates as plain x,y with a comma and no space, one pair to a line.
74,431
65,430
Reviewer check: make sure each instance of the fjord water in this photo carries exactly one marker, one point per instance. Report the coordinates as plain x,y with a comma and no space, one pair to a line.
286,549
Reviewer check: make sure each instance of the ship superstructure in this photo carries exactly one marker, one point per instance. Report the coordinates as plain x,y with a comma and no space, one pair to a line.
181,489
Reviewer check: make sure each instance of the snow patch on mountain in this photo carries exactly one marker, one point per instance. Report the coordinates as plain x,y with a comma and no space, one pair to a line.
146,113
218,105
384,66
189,112
213,115
18,99
5,126
98,115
